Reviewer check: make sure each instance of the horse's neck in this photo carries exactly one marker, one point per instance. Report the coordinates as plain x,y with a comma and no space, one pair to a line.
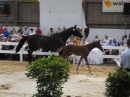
90,46
65,35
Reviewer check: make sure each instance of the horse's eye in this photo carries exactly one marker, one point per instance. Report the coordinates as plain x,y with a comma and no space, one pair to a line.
73,29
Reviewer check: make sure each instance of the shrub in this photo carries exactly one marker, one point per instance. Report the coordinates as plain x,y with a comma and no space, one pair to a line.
118,84
50,73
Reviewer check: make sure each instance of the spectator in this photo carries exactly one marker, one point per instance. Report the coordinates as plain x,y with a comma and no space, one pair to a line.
1,28
115,52
81,31
125,57
96,38
68,42
123,41
109,51
1,37
58,30
5,33
83,42
106,39
38,31
13,31
31,32
64,28
20,31
25,31
50,32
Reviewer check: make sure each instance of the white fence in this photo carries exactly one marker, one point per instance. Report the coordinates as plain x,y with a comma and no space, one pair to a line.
22,51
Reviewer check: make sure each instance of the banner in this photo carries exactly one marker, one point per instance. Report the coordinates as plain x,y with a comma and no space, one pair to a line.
113,5
59,13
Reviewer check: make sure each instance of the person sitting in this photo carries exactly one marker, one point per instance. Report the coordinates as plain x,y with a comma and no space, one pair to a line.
25,31
1,28
50,32
64,28
58,30
20,31
108,51
123,41
38,31
115,52
4,47
6,33
31,32
106,39
68,42
83,42
13,31
1,37
96,38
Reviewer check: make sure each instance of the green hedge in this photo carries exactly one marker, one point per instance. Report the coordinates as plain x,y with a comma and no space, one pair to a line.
118,84
50,73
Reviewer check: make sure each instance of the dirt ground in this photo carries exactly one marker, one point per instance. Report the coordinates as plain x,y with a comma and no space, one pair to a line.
14,83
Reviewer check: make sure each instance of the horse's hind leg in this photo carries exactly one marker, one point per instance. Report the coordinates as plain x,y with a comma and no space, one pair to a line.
87,64
79,64
30,55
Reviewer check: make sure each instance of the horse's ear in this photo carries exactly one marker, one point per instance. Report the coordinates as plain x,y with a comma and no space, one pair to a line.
75,26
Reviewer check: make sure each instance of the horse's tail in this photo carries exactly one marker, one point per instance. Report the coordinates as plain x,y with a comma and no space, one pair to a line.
60,50
21,43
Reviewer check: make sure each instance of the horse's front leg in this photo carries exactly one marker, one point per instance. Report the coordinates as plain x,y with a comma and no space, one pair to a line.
88,65
79,64
30,55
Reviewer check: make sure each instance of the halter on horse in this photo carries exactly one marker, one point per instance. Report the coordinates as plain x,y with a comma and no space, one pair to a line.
47,43
82,51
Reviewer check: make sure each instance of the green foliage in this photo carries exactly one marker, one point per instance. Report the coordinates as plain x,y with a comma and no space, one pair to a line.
118,84
50,73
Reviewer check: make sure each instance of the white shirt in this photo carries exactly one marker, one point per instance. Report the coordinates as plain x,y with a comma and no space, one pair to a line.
106,41
31,33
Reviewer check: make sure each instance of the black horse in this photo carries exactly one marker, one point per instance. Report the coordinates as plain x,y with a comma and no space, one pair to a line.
47,43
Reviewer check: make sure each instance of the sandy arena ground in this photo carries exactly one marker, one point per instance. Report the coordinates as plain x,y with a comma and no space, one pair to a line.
14,83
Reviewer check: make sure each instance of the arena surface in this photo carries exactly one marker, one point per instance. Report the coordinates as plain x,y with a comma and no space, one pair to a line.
14,83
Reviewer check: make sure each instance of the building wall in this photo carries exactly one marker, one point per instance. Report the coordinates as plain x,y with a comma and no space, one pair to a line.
24,12
95,18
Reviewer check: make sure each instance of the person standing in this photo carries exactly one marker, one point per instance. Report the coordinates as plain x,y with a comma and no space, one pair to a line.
125,57
76,41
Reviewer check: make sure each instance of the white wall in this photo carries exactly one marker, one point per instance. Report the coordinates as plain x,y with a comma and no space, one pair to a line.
59,13
112,33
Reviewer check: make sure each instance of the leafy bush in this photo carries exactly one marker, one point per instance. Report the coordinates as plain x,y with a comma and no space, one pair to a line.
50,73
118,84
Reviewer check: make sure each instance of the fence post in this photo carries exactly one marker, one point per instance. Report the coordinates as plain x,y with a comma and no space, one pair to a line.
21,55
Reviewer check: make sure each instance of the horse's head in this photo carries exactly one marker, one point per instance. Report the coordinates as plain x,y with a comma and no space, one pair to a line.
98,45
76,32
